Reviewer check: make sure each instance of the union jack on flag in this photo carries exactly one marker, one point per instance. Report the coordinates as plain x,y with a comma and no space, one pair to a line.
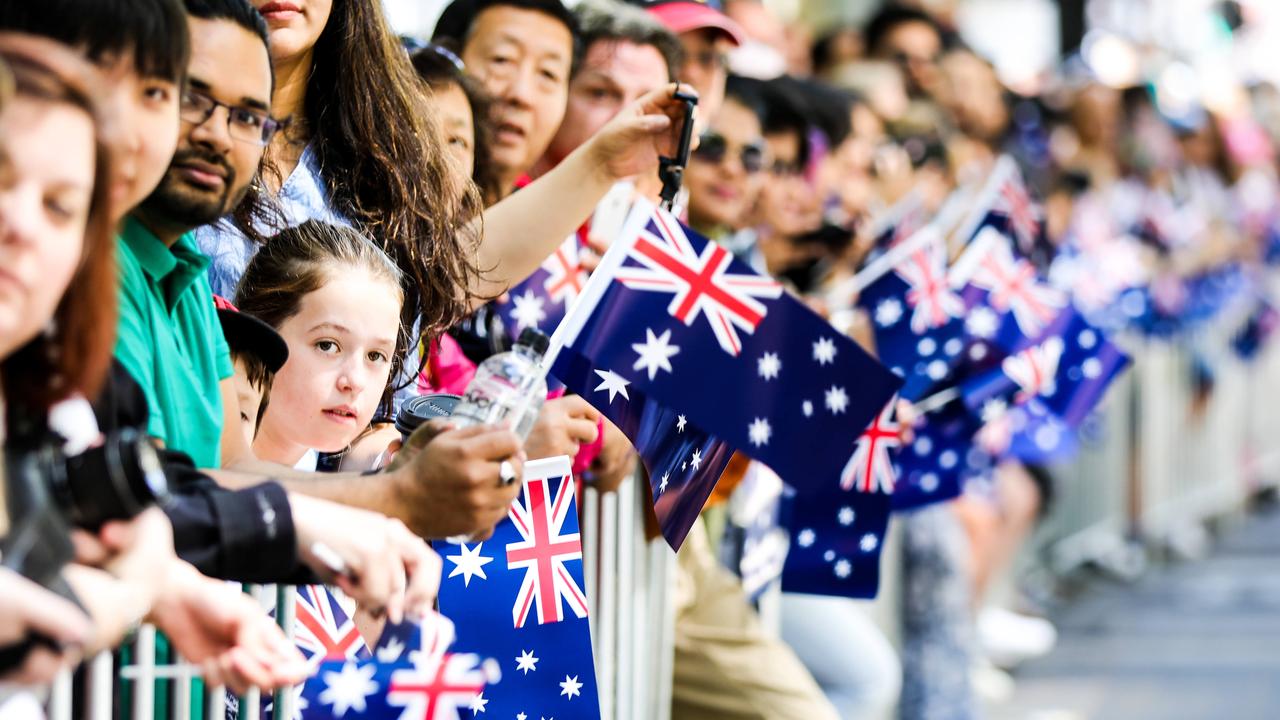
443,688
933,300
700,282
322,628
1012,283
1015,203
542,552
870,469
565,275
1035,369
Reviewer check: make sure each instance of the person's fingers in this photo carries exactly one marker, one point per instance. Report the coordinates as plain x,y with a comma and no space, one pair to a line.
40,666
583,431
492,444
396,598
49,614
89,550
423,567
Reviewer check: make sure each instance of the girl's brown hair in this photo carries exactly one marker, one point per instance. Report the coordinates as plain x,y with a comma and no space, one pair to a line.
74,355
300,260
369,119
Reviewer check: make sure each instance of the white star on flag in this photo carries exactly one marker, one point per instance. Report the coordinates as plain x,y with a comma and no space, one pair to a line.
807,408
614,383
522,716
469,564
888,312
528,310
837,400
680,423
347,689
696,460
655,353
805,537
477,703
824,351
769,365
845,516
571,686
843,568
759,432
526,662
869,543
662,485
982,323
391,651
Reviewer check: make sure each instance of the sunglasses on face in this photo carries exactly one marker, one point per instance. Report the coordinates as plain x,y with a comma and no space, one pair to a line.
713,148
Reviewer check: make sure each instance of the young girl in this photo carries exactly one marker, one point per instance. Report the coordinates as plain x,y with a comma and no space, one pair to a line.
335,298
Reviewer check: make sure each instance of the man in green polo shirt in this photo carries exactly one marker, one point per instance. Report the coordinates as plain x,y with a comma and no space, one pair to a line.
170,340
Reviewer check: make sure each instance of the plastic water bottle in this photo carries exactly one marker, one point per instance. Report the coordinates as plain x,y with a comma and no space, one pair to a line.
508,389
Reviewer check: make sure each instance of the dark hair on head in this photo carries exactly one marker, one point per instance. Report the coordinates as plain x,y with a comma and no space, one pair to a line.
152,32
822,53
785,111
259,208
828,108
74,356
441,73
890,17
368,118
746,92
241,12
459,17
299,260
614,21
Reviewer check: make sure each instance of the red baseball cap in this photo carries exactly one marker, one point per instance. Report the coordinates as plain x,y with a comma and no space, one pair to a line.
685,15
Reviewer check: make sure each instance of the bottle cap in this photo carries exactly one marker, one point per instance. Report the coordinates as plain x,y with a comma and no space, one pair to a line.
535,340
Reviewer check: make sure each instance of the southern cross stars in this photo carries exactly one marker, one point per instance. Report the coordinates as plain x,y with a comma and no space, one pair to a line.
888,312
528,310
526,662
470,563
680,423
614,383
477,703
696,460
824,351
769,365
759,432
655,353
837,400
662,485
571,686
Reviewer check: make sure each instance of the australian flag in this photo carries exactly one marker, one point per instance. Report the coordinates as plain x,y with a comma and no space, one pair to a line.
942,453
917,317
441,688
519,597
1006,205
542,299
674,337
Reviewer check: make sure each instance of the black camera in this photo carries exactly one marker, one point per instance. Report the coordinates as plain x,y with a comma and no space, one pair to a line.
116,480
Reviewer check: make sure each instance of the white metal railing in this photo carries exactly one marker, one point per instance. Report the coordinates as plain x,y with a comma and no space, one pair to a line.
632,628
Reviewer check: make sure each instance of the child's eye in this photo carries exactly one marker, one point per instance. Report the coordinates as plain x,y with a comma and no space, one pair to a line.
327,346
378,356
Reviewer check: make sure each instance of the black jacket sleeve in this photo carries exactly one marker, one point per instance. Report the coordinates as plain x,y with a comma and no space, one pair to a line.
241,535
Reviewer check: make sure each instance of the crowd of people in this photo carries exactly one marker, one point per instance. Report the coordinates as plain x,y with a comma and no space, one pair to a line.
250,230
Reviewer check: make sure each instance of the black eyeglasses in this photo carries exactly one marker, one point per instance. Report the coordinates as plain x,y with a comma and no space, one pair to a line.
714,148
243,124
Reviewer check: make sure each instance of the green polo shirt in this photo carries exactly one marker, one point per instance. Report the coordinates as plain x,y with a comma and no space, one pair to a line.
171,342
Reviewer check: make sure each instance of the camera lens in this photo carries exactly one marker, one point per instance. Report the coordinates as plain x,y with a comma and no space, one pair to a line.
419,410
114,481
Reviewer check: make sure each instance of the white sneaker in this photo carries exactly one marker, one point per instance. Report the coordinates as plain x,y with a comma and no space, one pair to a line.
1010,639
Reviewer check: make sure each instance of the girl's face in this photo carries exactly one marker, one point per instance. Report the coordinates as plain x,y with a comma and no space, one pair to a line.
341,343
295,25
46,188
723,175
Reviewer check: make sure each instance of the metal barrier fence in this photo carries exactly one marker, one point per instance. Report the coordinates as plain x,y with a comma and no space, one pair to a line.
632,627
1162,457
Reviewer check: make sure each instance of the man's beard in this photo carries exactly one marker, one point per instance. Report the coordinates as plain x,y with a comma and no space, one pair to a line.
182,205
